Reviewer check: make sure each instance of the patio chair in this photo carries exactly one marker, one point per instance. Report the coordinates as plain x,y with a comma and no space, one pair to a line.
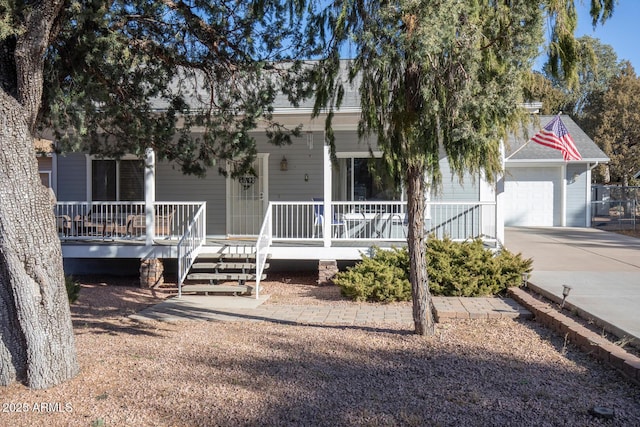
318,219
137,225
64,224
401,221
84,226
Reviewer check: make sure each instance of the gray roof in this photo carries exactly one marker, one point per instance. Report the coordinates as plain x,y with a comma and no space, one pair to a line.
350,101
195,93
518,148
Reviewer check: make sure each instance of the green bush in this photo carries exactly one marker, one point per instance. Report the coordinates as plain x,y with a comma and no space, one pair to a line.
469,269
73,288
380,277
454,268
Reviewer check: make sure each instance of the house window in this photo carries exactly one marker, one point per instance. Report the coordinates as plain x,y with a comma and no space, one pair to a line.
45,178
360,178
117,180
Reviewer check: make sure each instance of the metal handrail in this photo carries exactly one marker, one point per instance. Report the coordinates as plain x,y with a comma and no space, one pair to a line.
190,244
262,246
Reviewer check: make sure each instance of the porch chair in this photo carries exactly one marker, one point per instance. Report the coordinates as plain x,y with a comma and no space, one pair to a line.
399,220
64,224
85,227
137,225
318,218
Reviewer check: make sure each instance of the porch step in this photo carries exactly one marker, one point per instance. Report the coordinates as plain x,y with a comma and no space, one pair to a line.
219,289
225,266
209,272
221,256
224,276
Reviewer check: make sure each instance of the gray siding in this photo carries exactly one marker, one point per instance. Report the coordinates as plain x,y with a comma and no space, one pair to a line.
454,191
44,163
304,178
173,186
576,195
72,177
347,141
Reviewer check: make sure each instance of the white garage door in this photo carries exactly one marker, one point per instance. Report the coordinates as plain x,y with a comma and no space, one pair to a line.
532,197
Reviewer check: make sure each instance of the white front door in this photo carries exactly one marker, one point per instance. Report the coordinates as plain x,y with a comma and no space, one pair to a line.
247,200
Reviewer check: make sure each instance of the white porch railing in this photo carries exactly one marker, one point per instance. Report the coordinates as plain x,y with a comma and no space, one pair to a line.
262,247
462,221
122,220
380,221
190,244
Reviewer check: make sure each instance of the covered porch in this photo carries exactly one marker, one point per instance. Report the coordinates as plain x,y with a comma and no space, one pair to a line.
319,228
290,230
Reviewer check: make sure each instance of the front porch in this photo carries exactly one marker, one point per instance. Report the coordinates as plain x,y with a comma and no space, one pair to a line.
290,230
127,227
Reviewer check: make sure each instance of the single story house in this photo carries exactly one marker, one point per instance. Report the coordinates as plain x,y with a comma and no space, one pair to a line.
119,212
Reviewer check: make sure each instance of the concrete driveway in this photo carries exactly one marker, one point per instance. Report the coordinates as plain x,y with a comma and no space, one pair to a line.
602,268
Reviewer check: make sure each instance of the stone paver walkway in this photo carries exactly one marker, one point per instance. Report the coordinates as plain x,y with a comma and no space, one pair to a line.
352,314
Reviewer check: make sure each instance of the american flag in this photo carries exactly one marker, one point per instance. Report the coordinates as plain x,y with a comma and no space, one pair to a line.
556,135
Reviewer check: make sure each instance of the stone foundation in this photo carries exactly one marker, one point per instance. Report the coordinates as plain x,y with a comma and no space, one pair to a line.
151,273
326,270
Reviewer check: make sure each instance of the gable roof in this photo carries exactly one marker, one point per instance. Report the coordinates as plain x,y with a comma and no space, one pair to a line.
519,148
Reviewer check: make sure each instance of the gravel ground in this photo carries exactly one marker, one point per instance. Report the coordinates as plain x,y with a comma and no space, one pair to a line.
472,373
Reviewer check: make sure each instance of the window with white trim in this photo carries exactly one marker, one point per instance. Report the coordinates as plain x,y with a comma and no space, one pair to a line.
117,180
45,178
363,178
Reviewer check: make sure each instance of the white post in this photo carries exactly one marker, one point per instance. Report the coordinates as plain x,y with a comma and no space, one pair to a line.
563,195
588,197
150,194
88,168
499,197
54,173
327,232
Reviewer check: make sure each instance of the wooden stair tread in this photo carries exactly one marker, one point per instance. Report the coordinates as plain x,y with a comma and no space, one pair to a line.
225,265
230,256
216,288
224,276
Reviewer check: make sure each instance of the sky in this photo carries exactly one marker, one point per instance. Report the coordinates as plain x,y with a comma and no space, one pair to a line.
621,31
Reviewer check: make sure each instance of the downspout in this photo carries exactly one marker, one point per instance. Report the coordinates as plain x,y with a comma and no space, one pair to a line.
588,198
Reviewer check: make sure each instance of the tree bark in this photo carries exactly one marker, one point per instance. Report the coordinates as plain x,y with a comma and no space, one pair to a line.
37,345
416,239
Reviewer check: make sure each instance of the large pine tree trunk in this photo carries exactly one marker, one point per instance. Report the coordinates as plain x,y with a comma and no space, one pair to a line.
36,336
422,310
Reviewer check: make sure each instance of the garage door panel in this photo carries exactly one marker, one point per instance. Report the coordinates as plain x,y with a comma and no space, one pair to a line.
531,196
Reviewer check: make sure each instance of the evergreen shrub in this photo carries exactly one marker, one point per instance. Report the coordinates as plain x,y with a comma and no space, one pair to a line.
73,288
380,277
455,269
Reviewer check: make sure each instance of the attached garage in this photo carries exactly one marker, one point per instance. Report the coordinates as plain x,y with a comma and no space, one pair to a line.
532,196
540,188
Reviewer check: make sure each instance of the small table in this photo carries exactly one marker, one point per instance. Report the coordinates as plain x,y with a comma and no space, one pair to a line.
370,225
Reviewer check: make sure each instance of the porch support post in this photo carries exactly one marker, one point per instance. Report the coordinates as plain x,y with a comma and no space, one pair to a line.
54,172
563,195
149,194
327,232
499,197
589,213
